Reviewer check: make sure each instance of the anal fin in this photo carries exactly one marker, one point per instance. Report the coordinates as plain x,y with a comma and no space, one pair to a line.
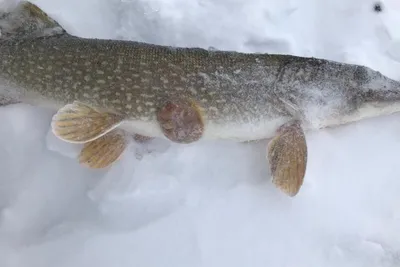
287,155
79,123
103,151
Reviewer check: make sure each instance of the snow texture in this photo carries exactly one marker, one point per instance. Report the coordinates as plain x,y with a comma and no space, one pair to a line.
210,204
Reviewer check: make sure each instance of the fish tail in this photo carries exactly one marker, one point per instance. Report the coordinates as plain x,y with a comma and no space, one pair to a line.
27,20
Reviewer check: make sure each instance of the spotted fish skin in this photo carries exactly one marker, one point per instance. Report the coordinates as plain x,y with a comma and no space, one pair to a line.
243,96
134,78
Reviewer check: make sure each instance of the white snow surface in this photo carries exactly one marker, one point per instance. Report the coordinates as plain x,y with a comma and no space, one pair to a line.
211,203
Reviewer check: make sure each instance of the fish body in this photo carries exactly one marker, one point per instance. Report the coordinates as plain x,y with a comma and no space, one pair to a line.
134,79
243,96
240,96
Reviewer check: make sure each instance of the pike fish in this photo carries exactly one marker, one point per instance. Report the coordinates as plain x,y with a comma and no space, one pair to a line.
105,91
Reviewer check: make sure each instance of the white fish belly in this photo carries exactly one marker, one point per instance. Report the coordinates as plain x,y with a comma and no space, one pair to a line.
370,110
240,132
235,131
145,128
266,129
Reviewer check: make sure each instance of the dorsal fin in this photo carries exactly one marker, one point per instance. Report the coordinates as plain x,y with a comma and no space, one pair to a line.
27,20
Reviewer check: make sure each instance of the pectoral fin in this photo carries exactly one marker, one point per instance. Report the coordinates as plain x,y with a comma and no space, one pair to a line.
181,121
79,123
103,151
287,155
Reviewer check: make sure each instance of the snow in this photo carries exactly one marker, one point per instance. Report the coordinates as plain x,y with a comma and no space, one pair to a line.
210,203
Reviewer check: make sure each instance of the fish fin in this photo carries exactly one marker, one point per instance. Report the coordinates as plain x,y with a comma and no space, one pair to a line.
287,156
103,151
27,20
79,123
181,121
